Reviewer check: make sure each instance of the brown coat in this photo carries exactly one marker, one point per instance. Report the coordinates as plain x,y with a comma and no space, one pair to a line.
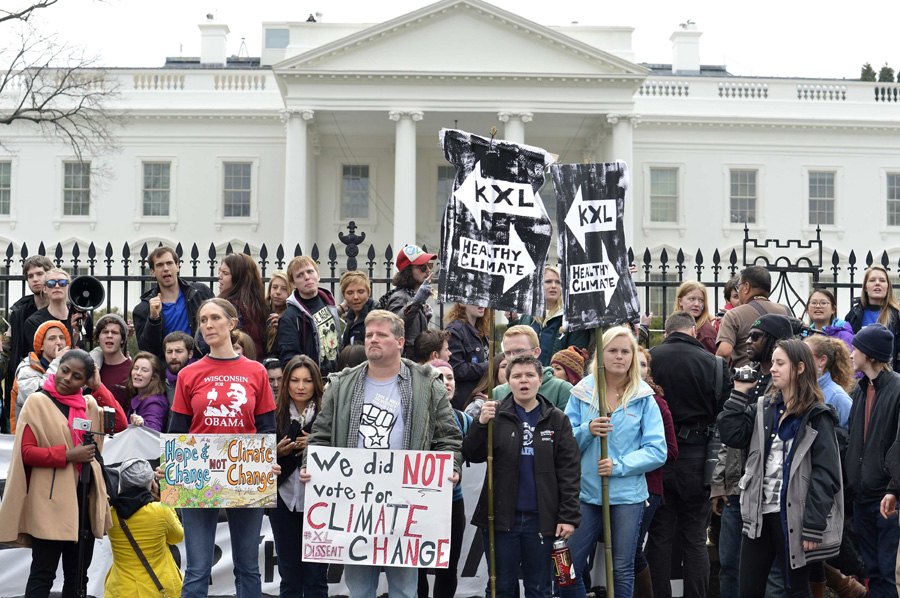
46,506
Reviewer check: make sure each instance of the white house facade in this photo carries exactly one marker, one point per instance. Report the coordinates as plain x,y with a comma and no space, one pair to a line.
339,122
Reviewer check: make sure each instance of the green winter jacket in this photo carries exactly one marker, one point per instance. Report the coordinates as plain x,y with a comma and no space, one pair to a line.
553,389
552,341
430,420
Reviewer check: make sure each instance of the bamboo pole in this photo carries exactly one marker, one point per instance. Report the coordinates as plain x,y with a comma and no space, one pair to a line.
492,569
602,409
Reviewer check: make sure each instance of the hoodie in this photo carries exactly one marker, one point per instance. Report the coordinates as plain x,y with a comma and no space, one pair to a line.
298,333
552,388
636,445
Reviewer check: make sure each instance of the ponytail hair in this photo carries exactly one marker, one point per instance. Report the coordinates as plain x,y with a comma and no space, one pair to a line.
837,356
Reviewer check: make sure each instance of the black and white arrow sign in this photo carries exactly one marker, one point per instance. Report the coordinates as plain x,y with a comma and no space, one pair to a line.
597,285
495,233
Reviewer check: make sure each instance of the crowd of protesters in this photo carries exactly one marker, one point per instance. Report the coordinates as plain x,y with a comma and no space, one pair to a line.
776,440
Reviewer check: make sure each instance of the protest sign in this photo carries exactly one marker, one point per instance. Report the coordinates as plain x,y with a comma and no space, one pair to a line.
218,470
495,234
598,290
378,507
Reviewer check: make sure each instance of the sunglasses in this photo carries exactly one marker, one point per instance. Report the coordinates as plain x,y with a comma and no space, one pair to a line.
50,284
754,336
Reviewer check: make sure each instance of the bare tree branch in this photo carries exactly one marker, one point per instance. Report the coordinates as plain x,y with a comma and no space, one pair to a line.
23,13
58,89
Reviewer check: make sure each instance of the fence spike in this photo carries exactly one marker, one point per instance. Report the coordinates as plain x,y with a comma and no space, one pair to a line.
869,259
698,259
24,251
716,258
733,257
852,258
109,250
664,257
145,251
41,249
212,253
247,248
92,251
228,249
835,258
126,251
389,253
332,253
195,252
279,253
679,257
297,251
9,251
76,251
371,253
59,251
630,256
263,252
647,257
315,253
885,261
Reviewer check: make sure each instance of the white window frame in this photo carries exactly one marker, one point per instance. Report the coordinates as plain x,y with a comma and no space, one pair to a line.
728,226
253,219
59,212
12,217
139,219
433,223
837,228
883,178
680,217
372,163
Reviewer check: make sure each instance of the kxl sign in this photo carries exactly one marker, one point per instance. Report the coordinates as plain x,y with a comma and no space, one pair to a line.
495,234
597,286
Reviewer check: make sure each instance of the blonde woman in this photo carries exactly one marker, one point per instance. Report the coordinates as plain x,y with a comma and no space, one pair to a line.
549,328
276,300
877,304
637,444
691,297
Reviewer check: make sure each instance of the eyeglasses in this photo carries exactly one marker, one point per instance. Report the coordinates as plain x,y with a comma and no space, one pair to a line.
754,336
819,303
50,284
511,354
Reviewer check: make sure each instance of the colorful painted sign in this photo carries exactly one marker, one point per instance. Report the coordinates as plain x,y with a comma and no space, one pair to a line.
218,470
378,507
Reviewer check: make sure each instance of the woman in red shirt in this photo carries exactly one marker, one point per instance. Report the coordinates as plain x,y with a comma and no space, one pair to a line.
222,393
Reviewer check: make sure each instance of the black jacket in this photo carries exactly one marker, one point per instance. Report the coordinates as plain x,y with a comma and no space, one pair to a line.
855,316
687,372
414,315
468,358
34,321
355,326
298,333
557,467
19,344
150,333
289,463
868,476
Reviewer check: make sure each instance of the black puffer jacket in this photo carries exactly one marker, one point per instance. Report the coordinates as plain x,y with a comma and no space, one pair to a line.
855,317
414,315
355,326
868,476
557,467
468,358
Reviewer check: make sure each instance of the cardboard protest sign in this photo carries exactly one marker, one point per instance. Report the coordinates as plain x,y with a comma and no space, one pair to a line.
378,507
495,234
218,470
597,286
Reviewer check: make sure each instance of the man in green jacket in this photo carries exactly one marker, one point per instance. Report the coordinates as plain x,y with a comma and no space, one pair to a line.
386,403
523,340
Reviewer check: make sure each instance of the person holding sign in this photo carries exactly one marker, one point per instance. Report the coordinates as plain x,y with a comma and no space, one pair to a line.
637,444
223,393
536,466
296,407
386,403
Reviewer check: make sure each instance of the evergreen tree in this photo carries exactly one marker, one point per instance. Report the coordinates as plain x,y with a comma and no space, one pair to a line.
867,73
886,74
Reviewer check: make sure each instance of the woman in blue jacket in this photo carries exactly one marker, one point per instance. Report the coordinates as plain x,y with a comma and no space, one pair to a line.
637,444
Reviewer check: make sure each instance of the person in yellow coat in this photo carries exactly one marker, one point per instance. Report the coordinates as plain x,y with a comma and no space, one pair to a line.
153,527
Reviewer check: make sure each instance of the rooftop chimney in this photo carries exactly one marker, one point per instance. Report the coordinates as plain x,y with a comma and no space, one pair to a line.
213,37
686,49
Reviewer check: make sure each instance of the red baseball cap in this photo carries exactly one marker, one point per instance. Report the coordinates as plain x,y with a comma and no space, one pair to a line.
413,255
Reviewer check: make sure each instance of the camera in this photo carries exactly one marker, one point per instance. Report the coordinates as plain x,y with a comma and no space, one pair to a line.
81,424
746,374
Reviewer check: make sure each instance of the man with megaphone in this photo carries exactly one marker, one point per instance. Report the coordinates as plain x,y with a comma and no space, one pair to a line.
78,323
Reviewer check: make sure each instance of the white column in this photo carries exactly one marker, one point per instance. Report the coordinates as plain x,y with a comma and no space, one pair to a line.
296,200
405,177
623,149
514,125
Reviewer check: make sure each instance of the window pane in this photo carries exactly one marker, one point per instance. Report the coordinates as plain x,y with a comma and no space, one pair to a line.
76,189
355,191
5,187
663,194
445,178
821,198
236,189
893,199
156,188
743,196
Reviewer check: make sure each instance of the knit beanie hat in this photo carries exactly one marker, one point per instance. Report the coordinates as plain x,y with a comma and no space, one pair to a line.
135,473
776,325
106,319
876,342
42,330
572,360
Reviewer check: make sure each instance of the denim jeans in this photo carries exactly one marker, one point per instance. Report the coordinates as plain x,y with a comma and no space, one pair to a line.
521,545
877,538
625,521
730,547
299,578
640,560
362,581
199,543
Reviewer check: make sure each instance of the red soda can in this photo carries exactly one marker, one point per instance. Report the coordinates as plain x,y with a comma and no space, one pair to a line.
562,562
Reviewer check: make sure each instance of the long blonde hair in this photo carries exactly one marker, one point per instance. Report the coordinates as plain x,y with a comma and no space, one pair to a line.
558,304
689,287
885,315
633,377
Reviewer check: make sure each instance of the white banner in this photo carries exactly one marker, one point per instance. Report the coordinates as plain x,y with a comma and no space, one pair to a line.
378,507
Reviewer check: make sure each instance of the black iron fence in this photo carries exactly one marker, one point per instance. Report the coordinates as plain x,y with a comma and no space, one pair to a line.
126,275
